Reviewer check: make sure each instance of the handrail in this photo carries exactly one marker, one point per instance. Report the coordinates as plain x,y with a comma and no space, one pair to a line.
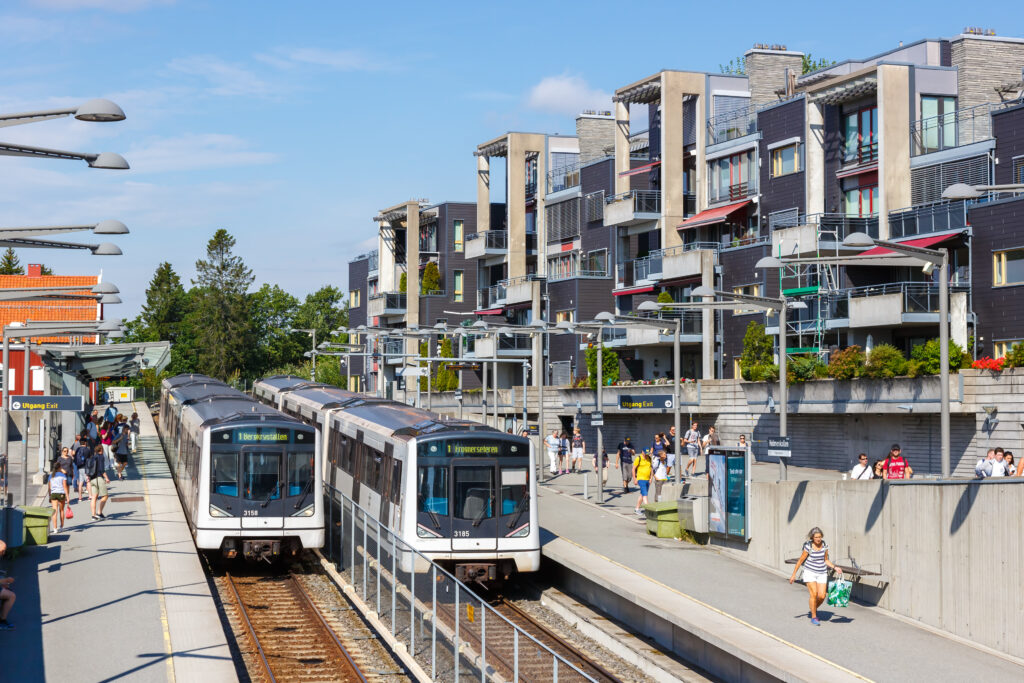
926,218
953,129
509,282
644,201
732,125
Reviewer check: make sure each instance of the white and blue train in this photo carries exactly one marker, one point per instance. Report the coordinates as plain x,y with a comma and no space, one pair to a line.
460,492
248,476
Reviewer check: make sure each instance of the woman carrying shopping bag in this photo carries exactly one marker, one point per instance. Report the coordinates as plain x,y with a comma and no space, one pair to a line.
816,564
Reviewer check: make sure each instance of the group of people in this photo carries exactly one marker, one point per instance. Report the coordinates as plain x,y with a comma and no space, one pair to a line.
892,466
998,462
103,445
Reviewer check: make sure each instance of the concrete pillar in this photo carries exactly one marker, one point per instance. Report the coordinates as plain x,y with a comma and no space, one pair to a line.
483,193
893,142
386,258
707,330
674,86
412,278
621,147
516,205
958,319
814,158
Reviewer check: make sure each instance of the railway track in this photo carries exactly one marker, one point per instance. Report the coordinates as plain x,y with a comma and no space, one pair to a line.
520,659
290,637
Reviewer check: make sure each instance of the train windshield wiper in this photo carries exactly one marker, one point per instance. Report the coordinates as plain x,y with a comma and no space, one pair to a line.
305,492
519,510
483,512
271,495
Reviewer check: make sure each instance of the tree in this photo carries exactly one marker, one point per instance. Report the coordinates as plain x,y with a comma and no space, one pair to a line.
446,379
222,312
758,352
664,297
609,366
10,264
736,67
431,281
402,280
163,319
272,311
324,310
811,64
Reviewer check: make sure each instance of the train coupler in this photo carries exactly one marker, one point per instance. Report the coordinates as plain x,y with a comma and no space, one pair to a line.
476,572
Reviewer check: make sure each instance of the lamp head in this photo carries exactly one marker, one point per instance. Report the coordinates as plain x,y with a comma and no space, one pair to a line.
859,239
110,227
649,306
110,299
768,262
99,110
105,288
441,327
960,191
106,249
110,160
703,290
539,324
480,325
927,268
605,316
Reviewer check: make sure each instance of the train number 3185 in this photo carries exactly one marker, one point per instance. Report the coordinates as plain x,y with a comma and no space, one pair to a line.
461,534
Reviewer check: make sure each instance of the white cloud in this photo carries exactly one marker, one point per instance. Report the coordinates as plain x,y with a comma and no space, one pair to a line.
336,60
193,151
224,78
108,5
566,94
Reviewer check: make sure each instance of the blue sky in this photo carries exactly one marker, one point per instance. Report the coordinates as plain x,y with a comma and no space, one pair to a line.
292,127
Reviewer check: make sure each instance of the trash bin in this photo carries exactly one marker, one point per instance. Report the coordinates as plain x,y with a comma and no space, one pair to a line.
12,527
37,524
693,513
662,519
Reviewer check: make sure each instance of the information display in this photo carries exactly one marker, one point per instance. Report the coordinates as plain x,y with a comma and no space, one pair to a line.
729,491
646,402
44,403
472,448
261,435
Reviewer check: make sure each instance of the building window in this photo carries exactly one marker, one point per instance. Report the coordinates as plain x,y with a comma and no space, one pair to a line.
860,135
1018,170
732,177
372,288
353,299
1001,348
938,123
565,316
457,233
786,160
596,262
861,201
594,206
563,266
748,290
1008,267
457,277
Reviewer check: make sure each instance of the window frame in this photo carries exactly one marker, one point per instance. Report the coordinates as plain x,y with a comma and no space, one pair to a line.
355,299
1004,346
856,156
458,285
999,267
775,155
458,235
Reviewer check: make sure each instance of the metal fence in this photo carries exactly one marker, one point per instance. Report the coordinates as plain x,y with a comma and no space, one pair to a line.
450,631
952,129
732,125
644,201
926,218
493,239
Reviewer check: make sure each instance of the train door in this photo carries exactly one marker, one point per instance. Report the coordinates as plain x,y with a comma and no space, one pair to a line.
474,505
263,487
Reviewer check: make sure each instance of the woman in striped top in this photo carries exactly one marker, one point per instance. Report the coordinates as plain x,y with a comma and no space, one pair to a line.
815,562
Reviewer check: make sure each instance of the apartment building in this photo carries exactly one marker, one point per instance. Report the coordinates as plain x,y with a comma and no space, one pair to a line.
694,177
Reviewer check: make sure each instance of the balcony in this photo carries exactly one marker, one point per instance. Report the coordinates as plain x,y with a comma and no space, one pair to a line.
733,192
732,125
955,129
522,289
490,297
806,234
393,351
443,293
564,178
372,264
858,155
577,272
386,303
487,243
515,345
688,260
633,207
927,218
894,303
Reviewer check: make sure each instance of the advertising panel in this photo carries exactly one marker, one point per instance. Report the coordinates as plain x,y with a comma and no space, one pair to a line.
729,492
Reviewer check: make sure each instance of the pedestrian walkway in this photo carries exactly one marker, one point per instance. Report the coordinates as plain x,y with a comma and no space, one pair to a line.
608,540
123,598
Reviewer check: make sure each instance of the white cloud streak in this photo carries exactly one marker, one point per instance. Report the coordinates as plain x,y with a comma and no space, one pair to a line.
567,95
122,6
193,151
224,78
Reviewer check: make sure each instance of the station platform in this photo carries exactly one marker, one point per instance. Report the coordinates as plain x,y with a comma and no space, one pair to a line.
122,598
702,601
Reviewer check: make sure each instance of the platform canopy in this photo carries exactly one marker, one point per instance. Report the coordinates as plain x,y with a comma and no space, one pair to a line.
91,362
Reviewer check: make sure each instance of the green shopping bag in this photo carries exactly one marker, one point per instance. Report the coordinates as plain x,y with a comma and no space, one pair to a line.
839,592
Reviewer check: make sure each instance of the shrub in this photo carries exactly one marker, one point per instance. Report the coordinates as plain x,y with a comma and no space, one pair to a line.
402,280
431,281
885,362
758,350
847,363
1015,356
804,368
664,297
609,366
915,368
762,372
446,379
928,355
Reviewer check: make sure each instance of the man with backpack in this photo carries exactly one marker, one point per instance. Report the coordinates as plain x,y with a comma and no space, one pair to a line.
81,455
896,466
96,468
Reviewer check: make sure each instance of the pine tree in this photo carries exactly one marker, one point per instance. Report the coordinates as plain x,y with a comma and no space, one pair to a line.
446,379
10,264
222,308
166,305
431,281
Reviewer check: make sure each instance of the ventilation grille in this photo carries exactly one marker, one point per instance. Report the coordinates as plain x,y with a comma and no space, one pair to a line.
563,220
927,183
594,206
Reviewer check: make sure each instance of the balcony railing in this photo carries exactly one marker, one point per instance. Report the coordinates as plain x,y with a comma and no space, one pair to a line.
644,201
435,292
493,239
835,223
954,129
613,334
732,192
513,281
861,154
927,218
515,342
491,297
563,178
732,125
393,347
392,301
574,273
918,297
691,320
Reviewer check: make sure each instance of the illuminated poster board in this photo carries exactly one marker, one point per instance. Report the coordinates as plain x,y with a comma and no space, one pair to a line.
729,492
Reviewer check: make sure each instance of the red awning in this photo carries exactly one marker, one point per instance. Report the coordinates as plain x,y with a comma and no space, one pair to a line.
634,290
709,216
490,311
640,169
920,242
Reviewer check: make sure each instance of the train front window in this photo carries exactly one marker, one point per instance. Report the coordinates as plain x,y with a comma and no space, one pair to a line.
300,473
224,474
514,489
473,492
262,475
432,490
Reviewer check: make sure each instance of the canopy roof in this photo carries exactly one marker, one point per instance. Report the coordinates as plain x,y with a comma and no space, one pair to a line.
92,362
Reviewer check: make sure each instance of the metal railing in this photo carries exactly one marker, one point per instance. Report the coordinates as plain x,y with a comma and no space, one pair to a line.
612,334
563,178
392,347
839,224
918,297
690,246
745,241
644,201
515,341
372,262
731,192
925,218
512,281
577,272
392,300
732,125
954,129
449,630
692,321
861,154
492,296
493,239
434,292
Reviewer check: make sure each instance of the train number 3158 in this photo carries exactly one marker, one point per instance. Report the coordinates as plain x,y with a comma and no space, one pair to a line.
461,534
250,513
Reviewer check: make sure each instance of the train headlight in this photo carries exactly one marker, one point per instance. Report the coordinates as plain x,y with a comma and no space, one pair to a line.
521,532
306,511
217,512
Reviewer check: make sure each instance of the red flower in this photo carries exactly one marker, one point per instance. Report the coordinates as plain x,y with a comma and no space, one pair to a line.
986,363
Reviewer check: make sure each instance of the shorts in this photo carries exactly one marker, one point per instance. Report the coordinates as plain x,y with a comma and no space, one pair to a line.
121,458
691,452
82,477
577,454
644,485
671,460
98,486
57,496
813,577
627,473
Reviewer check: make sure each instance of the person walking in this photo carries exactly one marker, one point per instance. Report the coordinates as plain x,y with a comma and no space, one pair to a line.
896,466
58,496
624,462
578,446
552,442
670,448
642,473
660,473
81,454
816,564
120,448
710,439
135,424
692,440
97,471
106,438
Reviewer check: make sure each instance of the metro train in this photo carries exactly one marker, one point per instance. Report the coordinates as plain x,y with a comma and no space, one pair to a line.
248,476
460,492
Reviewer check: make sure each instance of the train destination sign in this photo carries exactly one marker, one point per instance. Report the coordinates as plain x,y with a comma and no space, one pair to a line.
48,402
645,402
266,435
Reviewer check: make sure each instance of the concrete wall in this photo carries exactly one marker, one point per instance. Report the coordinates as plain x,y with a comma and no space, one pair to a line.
945,551
766,72
984,63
